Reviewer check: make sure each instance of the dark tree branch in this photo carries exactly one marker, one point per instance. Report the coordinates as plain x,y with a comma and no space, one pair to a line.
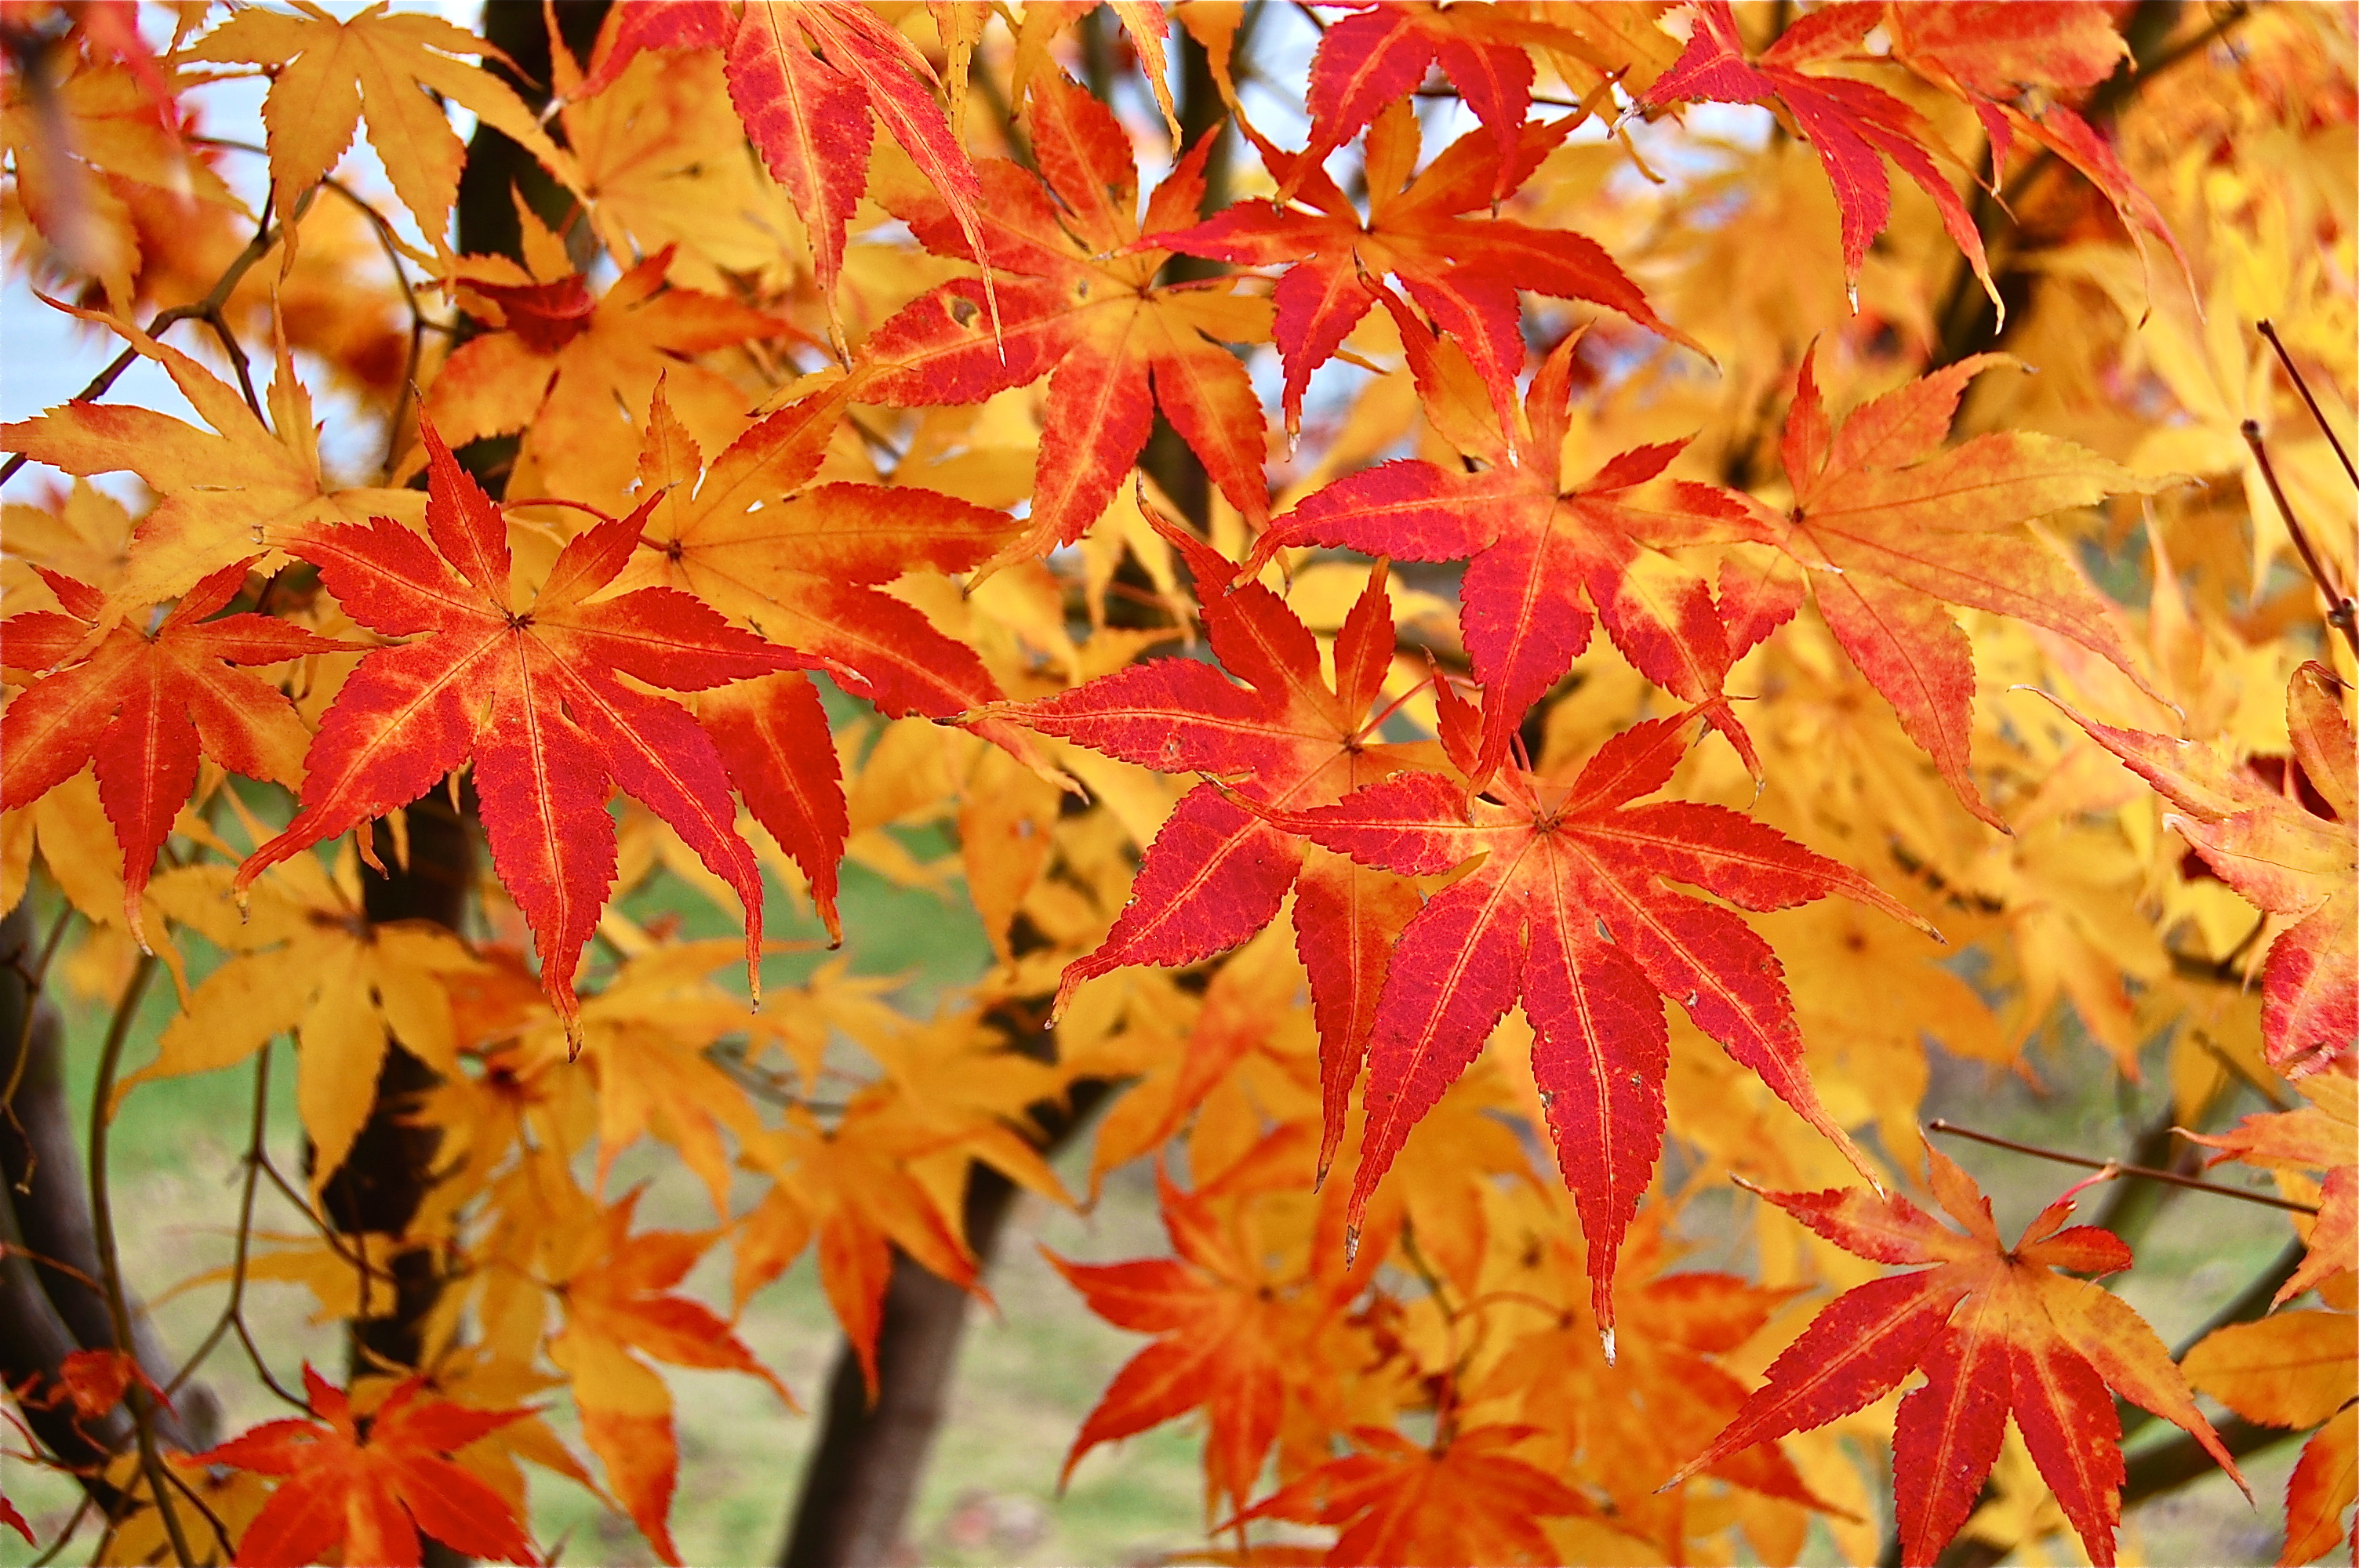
52,1301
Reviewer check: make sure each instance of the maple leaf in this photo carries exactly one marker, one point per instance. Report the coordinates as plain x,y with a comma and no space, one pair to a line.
1998,1331
369,1493
1234,1338
1852,125
1379,54
2321,1136
242,486
758,537
532,697
142,705
1886,527
84,534
573,371
850,1188
1466,1498
15,1520
1215,872
76,143
2295,1369
1634,1420
326,71
1569,913
2010,61
306,957
2282,857
1083,310
1536,542
804,78
664,160
644,1035
1463,272
617,1291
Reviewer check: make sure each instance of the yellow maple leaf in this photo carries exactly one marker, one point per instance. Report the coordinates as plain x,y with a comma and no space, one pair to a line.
305,958
227,492
328,72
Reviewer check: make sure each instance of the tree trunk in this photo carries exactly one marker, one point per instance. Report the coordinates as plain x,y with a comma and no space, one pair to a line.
863,1475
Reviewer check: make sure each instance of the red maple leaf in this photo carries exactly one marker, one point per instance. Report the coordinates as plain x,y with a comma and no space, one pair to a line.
1535,544
1461,271
1852,125
1569,913
368,1485
1233,1339
531,695
1086,313
1465,1498
2013,61
2282,857
754,535
1886,527
1216,874
804,78
1998,1331
142,704
1380,54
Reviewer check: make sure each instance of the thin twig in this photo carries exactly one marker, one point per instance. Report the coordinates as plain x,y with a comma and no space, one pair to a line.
234,1313
2141,1173
205,309
2340,612
2268,329
135,1397
65,1535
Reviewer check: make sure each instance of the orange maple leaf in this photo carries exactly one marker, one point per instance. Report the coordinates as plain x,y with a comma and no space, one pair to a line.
851,1188
141,705
1886,527
326,71
533,697
2321,1136
367,1492
617,1291
574,371
1234,1337
2295,1369
241,487
1465,1498
1086,313
1998,1331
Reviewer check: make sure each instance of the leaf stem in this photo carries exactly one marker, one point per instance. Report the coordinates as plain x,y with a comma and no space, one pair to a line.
2141,1173
101,1214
